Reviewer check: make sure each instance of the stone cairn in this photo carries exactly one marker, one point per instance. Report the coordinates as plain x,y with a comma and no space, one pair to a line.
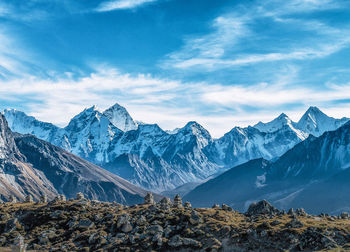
226,207
187,205
61,197
178,201
80,196
29,199
165,203
12,199
216,206
43,198
149,199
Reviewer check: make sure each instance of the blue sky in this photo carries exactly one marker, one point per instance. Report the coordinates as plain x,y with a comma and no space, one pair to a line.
221,63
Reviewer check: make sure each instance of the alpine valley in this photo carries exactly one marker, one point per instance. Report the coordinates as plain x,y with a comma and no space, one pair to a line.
158,160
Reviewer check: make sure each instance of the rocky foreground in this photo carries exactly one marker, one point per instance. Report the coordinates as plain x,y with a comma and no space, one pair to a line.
84,225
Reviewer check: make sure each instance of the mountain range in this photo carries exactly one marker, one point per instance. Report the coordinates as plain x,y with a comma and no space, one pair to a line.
159,160
313,175
30,166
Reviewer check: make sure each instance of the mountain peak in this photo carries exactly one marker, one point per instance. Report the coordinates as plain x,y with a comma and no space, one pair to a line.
116,106
195,128
120,118
282,116
274,125
315,122
91,109
312,110
192,124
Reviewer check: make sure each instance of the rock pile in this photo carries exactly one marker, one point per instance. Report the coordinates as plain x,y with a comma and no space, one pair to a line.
83,225
43,199
165,203
29,199
80,196
149,199
178,201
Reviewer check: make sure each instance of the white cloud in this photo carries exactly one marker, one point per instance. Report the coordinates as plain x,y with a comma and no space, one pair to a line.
232,34
121,4
167,102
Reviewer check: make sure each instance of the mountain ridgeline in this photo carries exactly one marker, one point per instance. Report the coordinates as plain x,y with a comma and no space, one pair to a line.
157,160
314,175
30,166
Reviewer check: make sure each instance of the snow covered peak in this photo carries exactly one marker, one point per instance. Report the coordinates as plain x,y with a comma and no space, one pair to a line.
315,122
85,117
120,118
195,129
20,122
276,124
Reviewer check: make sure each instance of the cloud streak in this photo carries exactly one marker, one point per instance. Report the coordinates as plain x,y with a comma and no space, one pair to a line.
236,39
121,4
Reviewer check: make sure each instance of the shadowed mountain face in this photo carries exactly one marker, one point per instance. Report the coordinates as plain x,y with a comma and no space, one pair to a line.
32,166
314,175
157,160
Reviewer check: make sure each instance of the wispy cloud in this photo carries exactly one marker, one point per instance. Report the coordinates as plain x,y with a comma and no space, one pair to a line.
121,4
237,39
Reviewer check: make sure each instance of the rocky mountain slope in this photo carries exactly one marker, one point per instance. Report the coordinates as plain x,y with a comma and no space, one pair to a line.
30,166
158,160
312,175
82,225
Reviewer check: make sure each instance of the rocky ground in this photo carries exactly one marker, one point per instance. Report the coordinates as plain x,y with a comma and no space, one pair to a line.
84,225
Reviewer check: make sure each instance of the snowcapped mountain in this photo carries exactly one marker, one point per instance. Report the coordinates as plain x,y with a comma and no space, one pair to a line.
24,124
89,134
315,122
314,175
158,160
120,118
153,159
32,166
282,121
243,144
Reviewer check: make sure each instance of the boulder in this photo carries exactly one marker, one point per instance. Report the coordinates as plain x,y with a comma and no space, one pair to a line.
294,223
226,207
85,224
300,212
126,228
141,221
262,208
175,241
80,196
122,219
344,215
195,218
